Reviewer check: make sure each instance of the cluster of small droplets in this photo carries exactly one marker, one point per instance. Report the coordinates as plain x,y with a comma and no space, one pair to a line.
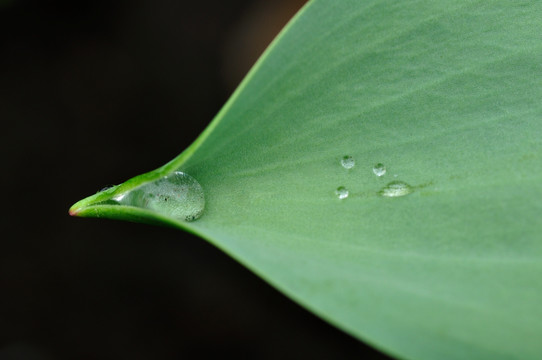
393,189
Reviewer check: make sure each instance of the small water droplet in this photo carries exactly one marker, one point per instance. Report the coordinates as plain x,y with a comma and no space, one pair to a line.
348,162
379,169
341,192
177,195
107,187
396,189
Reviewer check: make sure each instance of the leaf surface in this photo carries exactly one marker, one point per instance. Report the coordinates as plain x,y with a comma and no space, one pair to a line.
447,95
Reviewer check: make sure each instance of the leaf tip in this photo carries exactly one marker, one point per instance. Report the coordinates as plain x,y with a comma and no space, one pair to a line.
74,211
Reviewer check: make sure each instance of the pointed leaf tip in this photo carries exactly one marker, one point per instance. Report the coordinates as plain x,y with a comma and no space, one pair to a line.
73,211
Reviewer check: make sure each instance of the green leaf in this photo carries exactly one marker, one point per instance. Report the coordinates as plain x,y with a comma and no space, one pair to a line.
448,96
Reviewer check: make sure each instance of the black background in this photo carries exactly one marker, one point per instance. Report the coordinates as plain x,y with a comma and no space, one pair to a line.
93,93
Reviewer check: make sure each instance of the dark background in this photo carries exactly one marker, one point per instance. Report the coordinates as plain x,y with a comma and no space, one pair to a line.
93,93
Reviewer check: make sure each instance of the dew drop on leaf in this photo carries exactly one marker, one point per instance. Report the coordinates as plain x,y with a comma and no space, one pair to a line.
106,188
396,189
177,195
341,192
348,162
379,169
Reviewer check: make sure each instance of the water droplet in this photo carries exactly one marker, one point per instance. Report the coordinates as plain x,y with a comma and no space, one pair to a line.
379,169
396,189
176,195
341,192
348,162
107,187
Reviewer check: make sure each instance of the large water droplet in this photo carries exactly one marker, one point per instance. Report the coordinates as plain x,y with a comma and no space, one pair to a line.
396,189
341,192
379,169
348,162
176,195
